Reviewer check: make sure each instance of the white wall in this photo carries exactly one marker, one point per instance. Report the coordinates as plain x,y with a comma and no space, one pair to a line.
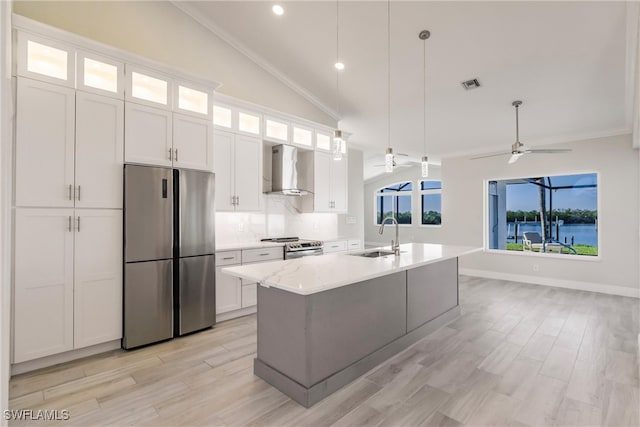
351,225
414,233
616,270
280,216
160,31
5,201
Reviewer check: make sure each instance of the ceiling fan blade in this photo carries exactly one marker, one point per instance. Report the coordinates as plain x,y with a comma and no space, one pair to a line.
550,151
515,156
488,155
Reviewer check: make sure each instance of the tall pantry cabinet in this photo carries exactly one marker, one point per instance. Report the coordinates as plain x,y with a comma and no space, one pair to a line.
68,200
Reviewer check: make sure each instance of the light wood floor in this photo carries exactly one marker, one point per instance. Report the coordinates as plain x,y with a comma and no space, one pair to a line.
520,355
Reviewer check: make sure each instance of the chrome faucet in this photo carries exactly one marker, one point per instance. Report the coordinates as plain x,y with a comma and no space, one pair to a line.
395,245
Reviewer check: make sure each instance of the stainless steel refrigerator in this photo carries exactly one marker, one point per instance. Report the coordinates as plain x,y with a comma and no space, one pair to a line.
169,251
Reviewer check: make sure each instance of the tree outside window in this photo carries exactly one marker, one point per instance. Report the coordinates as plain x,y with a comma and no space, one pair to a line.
431,198
394,200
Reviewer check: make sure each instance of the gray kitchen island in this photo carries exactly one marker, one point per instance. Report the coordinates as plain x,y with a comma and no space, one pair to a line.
324,321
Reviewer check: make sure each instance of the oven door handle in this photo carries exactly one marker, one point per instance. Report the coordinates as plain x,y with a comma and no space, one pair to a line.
300,254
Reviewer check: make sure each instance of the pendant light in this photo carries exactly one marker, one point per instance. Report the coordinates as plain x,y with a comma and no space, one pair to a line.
338,143
424,35
388,158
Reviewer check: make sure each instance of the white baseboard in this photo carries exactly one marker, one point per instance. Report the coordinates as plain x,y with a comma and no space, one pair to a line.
558,283
44,362
236,313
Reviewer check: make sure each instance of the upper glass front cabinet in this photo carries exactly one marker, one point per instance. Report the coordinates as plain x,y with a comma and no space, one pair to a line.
100,75
302,136
149,88
47,60
323,141
249,123
193,100
222,116
276,130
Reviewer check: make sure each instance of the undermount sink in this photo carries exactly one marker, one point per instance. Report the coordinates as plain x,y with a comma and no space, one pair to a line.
374,254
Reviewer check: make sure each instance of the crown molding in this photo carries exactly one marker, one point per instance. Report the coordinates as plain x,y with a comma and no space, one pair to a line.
207,23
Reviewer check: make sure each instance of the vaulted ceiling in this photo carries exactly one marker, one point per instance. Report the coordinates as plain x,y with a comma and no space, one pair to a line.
568,62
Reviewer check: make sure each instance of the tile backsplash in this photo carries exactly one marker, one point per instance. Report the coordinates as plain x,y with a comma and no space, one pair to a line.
280,217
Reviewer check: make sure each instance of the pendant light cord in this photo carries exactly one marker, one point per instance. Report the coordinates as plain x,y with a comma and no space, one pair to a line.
337,59
389,73
424,98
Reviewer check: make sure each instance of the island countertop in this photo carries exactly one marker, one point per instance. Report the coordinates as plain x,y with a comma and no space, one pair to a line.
309,275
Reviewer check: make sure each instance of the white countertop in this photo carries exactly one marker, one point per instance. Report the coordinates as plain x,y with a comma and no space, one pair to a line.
249,245
309,275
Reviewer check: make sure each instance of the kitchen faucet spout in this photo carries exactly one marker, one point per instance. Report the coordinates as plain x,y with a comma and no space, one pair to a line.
395,245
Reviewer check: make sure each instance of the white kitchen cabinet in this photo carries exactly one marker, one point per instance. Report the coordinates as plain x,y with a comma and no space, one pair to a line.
52,170
192,142
249,294
99,151
100,75
45,123
330,183
148,135
238,168
228,292
335,246
43,287
354,244
73,298
98,276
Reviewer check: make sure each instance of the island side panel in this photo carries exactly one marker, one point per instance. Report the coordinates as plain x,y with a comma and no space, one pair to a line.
282,332
346,324
431,291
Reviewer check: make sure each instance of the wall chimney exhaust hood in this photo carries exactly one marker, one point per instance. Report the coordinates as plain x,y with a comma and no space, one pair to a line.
289,168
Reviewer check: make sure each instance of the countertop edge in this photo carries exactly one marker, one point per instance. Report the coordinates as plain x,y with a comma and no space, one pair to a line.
340,283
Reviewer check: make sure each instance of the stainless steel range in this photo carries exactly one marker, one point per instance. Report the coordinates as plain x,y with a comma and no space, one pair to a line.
294,247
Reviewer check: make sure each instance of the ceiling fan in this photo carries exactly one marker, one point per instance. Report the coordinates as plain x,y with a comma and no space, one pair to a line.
518,149
402,165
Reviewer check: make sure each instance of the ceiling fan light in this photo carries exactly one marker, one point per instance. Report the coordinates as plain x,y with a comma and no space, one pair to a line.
425,166
514,157
388,160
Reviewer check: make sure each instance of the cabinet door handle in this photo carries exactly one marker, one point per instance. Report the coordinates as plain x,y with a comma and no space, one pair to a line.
70,190
238,200
69,224
264,254
176,155
78,193
78,224
227,258
170,154
233,200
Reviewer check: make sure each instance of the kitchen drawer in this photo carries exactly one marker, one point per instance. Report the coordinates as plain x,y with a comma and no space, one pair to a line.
228,258
264,254
335,246
354,244
249,294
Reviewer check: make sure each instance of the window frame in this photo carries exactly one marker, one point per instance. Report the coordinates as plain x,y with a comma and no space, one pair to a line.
421,193
409,193
548,255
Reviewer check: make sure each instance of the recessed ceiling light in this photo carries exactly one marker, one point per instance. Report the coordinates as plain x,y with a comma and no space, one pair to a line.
339,66
471,84
277,9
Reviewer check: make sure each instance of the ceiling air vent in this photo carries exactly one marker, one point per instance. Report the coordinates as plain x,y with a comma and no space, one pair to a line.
471,84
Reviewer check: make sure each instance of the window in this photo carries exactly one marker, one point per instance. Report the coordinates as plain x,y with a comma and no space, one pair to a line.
323,141
100,75
249,123
431,202
394,200
551,214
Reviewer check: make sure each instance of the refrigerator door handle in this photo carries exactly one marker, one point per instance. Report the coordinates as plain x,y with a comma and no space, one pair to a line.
78,224
69,224
170,154
175,158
